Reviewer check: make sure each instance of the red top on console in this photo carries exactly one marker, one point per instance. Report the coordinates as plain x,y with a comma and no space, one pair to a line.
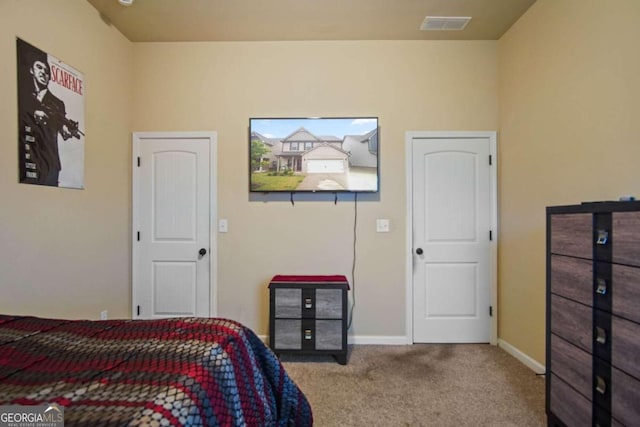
310,279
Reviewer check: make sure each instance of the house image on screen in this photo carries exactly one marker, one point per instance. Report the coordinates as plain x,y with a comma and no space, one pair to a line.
328,162
302,151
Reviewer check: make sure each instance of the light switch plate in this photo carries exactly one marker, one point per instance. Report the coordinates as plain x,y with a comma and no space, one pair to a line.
223,226
382,225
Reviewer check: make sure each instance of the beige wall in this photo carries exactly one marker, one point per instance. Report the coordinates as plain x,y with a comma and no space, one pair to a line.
569,132
63,252
66,253
219,86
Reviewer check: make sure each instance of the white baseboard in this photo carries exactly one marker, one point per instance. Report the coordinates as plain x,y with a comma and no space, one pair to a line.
378,340
365,339
528,361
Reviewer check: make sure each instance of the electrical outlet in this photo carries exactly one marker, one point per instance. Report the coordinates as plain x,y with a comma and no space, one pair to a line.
104,315
382,225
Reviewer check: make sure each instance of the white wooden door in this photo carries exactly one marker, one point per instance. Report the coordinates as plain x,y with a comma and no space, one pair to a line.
452,228
172,249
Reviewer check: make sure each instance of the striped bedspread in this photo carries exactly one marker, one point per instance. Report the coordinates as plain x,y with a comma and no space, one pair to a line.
170,372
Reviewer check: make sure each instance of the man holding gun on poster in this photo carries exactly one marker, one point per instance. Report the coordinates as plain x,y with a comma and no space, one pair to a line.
42,118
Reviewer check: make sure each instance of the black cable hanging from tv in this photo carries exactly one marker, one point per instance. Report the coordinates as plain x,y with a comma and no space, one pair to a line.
353,265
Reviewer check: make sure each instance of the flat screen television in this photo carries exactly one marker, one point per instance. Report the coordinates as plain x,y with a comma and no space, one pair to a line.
316,154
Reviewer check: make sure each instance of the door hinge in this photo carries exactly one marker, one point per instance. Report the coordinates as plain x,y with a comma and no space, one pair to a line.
490,160
138,161
490,311
138,236
490,235
138,310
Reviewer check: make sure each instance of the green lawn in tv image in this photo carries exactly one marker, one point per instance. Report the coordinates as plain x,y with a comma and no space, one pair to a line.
314,154
269,181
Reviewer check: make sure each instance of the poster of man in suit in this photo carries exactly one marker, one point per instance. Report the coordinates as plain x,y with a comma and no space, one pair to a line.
50,120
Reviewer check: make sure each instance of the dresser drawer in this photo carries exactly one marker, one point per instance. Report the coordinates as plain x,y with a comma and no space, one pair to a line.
572,278
308,303
625,396
626,292
329,303
328,334
572,234
572,364
287,334
308,334
625,346
572,408
572,321
626,238
288,303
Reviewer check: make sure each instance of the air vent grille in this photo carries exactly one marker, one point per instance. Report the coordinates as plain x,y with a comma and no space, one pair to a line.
445,23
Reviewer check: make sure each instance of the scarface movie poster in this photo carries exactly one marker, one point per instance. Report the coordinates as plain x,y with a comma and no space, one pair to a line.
50,119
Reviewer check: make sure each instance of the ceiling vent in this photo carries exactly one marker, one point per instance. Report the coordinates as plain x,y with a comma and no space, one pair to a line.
445,23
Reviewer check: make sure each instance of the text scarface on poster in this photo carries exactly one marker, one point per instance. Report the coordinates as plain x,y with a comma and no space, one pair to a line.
50,120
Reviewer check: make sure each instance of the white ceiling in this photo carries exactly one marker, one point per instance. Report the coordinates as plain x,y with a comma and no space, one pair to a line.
270,20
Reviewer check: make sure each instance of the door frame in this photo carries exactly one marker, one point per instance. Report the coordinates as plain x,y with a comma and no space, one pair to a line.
138,138
493,244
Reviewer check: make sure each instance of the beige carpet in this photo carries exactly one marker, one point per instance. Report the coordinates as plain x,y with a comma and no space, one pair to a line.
420,385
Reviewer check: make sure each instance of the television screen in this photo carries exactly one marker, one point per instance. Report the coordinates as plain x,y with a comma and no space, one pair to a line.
314,154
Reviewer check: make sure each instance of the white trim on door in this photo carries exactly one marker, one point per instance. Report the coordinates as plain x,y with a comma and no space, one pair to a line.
136,139
409,137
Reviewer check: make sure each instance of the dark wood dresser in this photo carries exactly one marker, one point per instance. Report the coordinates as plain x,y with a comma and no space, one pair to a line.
593,314
308,315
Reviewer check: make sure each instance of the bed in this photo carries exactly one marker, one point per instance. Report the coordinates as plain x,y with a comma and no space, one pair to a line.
169,372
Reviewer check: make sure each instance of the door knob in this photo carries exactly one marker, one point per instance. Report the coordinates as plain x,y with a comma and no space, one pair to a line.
202,252
419,251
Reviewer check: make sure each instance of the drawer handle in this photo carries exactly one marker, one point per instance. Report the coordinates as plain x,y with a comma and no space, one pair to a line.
307,334
603,237
308,303
601,385
601,335
602,286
